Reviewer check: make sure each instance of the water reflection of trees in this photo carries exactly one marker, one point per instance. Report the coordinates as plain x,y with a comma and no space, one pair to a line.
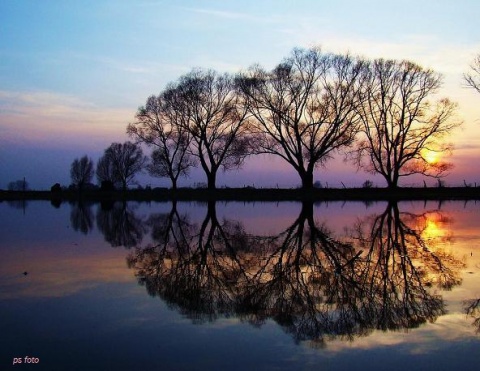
472,309
120,225
315,285
18,204
401,266
117,221
81,216
193,267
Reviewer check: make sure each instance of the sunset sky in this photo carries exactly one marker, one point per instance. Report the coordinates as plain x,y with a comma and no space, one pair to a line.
73,73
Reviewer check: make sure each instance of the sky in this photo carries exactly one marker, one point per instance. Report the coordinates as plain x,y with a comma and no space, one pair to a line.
73,73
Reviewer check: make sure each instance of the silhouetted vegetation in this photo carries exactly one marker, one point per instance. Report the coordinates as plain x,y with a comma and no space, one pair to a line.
309,107
253,194
209,110
56,188
306,108
160,124
402,130
18,185
312,105
120,163
472,78
81,172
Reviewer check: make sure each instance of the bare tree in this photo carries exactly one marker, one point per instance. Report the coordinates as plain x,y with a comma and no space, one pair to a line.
305,108
403,132
81,171
159,124
105,170
215,118
473,77
121,162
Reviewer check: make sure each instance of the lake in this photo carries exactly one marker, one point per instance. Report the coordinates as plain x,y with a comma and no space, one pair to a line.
263,286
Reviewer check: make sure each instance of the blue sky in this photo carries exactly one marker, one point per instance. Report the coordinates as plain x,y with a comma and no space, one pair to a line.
73,73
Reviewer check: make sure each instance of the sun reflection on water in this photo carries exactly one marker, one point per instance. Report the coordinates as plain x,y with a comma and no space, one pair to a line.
437,227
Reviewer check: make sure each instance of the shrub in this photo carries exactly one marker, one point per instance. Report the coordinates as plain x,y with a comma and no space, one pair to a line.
367,184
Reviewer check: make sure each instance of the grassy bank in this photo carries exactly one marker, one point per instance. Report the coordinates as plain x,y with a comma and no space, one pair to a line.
253,194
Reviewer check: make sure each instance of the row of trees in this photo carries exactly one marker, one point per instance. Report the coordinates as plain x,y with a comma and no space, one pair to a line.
379,114
117,167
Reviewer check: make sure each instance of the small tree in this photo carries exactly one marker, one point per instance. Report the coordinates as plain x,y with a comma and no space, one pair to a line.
159,124
105,173
403,132
81,171
473,77
120,163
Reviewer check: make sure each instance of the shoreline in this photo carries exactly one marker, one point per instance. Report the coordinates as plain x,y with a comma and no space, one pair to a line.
252,194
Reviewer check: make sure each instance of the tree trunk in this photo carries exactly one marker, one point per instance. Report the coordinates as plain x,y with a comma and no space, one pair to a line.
211,178
307,213
392,183
212,212
307,180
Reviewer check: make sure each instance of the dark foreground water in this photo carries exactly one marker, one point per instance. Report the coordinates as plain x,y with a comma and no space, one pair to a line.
264,286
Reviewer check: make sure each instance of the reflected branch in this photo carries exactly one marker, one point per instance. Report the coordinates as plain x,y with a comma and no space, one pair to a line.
81,217
315,285
119,225
472,309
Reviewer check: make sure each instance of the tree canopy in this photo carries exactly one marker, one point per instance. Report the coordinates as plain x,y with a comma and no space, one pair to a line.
120,163
81,171
402,127
305,109
312,105
472,78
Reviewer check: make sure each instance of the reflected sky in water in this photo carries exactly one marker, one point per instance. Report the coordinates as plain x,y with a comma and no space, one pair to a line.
240,285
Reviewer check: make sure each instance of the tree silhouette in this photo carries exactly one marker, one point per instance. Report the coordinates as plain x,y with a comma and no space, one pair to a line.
207,107
105,170
305,109
401,127
159,124
81,171
120,163
473,77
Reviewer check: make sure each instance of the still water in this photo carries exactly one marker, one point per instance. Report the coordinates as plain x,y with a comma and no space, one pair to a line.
217,286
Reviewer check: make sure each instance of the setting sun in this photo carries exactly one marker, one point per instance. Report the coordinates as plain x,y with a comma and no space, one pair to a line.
432,157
